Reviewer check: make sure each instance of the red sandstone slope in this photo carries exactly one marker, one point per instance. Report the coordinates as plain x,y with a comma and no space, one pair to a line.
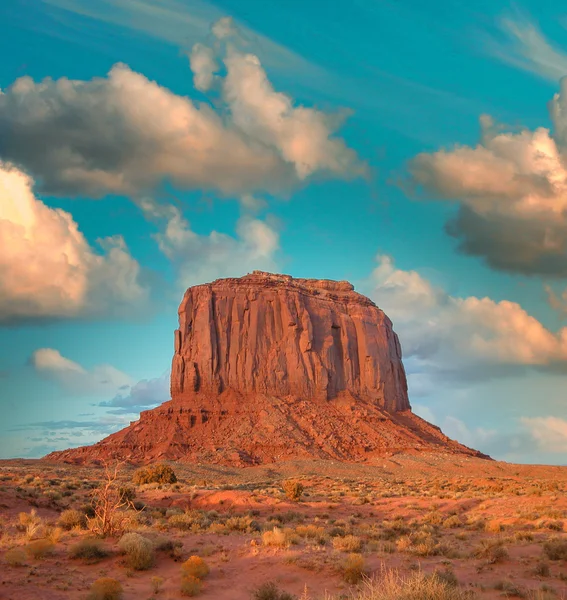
268,367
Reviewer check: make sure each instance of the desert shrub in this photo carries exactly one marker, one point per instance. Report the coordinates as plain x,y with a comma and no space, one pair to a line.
105,588
71,518
542,569
416,586
555,549
31,523
270,591
40,548
89,550
191,586
195,566
447,576
276,537
310,532
452,522
510,589
139,550
353,568
492,551
348,543
293,490
154,474
127,493
156,583
239,523
15,557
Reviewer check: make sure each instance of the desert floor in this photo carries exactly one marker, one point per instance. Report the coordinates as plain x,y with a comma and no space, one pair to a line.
488,529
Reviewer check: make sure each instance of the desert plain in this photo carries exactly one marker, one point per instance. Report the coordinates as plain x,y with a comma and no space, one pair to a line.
400,527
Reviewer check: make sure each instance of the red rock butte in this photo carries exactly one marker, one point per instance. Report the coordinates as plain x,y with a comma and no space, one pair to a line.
268,367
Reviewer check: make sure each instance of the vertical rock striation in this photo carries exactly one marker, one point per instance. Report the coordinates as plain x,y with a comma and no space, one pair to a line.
279,336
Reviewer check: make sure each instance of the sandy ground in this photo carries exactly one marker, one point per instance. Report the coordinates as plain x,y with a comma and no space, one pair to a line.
428,512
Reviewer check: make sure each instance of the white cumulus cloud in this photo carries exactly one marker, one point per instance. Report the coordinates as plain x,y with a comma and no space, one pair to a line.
125,134
511,192
463,338
201,258
550,433
47,267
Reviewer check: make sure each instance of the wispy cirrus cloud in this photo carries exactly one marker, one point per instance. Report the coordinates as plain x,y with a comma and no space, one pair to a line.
183,24
519,42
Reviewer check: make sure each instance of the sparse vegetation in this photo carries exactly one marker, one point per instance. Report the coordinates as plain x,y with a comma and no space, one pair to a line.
139,551
270,591
154,474
106,588
88,550
72,518
293,490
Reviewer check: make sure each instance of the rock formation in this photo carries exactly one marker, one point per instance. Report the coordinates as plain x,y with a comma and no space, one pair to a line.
268,367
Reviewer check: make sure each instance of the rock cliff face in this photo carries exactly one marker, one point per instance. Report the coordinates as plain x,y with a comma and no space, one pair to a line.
267,368
279,336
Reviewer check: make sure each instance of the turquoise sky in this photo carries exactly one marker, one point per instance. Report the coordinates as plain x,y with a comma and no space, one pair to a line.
415,149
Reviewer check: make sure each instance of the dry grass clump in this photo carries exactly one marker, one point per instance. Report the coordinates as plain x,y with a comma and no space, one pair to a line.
348,543
311,532
187,521
31,524
417,586
492,551
89,550
40,548
72,519
277,538
191,586
555,549
139,550
293,490
154,474
241,524
193,571
453,522
270,591
15,557
353,568
105,588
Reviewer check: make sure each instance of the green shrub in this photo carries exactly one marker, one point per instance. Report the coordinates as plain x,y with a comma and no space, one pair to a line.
89,550
154,474
71,518
105,588
139,550
293,490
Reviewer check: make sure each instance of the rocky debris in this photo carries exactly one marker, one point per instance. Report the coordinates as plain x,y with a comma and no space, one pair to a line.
268,368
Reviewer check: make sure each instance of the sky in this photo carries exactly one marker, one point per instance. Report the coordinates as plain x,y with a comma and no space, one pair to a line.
418,150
